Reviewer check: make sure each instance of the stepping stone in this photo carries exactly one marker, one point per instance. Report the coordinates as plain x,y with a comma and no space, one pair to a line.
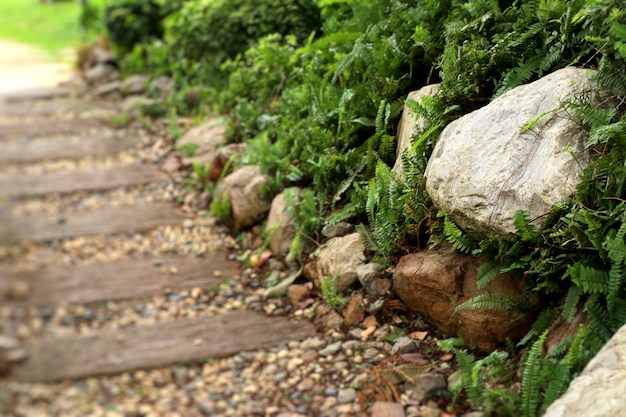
108,220
20,186
157,345
64,149
48,127
122,279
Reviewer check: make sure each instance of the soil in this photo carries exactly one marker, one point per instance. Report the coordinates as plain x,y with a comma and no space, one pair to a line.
24,67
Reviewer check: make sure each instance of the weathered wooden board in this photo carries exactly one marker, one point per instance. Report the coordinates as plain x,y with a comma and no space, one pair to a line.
64,149
161,344
14,187
127,278
48,127
43,108
39,109
38,93
108,220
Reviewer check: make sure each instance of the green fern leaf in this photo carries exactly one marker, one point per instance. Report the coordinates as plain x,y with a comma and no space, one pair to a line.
488,301
486,273
571,302
459,240
531,377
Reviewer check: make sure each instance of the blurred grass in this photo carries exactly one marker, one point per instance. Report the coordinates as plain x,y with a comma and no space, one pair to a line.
53,27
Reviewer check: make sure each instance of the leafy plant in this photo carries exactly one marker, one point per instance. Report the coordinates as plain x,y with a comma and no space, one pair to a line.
188,149
330,294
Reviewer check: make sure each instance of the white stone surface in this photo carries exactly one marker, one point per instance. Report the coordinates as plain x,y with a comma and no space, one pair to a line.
488,164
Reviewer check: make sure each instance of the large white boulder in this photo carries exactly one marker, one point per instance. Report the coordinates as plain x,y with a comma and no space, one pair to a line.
523,151
599,390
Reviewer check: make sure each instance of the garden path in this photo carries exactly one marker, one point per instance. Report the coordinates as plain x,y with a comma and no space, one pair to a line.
70,180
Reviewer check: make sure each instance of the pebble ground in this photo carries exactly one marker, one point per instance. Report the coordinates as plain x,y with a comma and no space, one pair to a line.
340,372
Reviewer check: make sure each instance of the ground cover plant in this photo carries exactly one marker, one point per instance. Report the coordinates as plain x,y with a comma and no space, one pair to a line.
50,26
318,105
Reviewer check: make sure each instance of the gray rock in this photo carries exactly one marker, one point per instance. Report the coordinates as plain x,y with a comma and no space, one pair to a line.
163,86
207,136
338,230
426,386
403,345
366,273
101,73
242,190
312,343
599,390
347,395
102,56
489,164
410,123
280,223
134,104
455,381
134,84
331,349
339,259
108,88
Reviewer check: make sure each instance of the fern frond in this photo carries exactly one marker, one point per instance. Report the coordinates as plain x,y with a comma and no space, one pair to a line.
459,240
488,301
524,227
571,302
531,377
486,273
589,279
599,318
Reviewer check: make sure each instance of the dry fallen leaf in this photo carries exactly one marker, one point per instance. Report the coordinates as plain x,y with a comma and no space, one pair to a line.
367,332
418,335
446,357
369,322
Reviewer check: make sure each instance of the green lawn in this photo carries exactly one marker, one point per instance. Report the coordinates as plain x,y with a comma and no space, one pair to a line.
51,26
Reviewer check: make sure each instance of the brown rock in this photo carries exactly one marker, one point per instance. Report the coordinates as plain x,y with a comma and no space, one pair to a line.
435,283
297,293
387,409
561,329
369,321
242,189
339,259
353,313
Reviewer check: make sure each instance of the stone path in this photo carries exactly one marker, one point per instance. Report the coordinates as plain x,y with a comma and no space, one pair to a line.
55,357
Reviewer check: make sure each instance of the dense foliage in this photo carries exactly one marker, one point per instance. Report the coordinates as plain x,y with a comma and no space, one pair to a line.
316,90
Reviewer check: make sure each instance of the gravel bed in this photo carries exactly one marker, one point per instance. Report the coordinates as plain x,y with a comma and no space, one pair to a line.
340,372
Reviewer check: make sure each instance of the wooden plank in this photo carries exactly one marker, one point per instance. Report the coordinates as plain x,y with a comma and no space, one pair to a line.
127,278
108,220
39,109
49,127
38,93
158,345
20,186
64,149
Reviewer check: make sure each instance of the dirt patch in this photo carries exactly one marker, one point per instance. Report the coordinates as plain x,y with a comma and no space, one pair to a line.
24,67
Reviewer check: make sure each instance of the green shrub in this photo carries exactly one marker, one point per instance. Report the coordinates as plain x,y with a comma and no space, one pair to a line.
205,34
129,22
